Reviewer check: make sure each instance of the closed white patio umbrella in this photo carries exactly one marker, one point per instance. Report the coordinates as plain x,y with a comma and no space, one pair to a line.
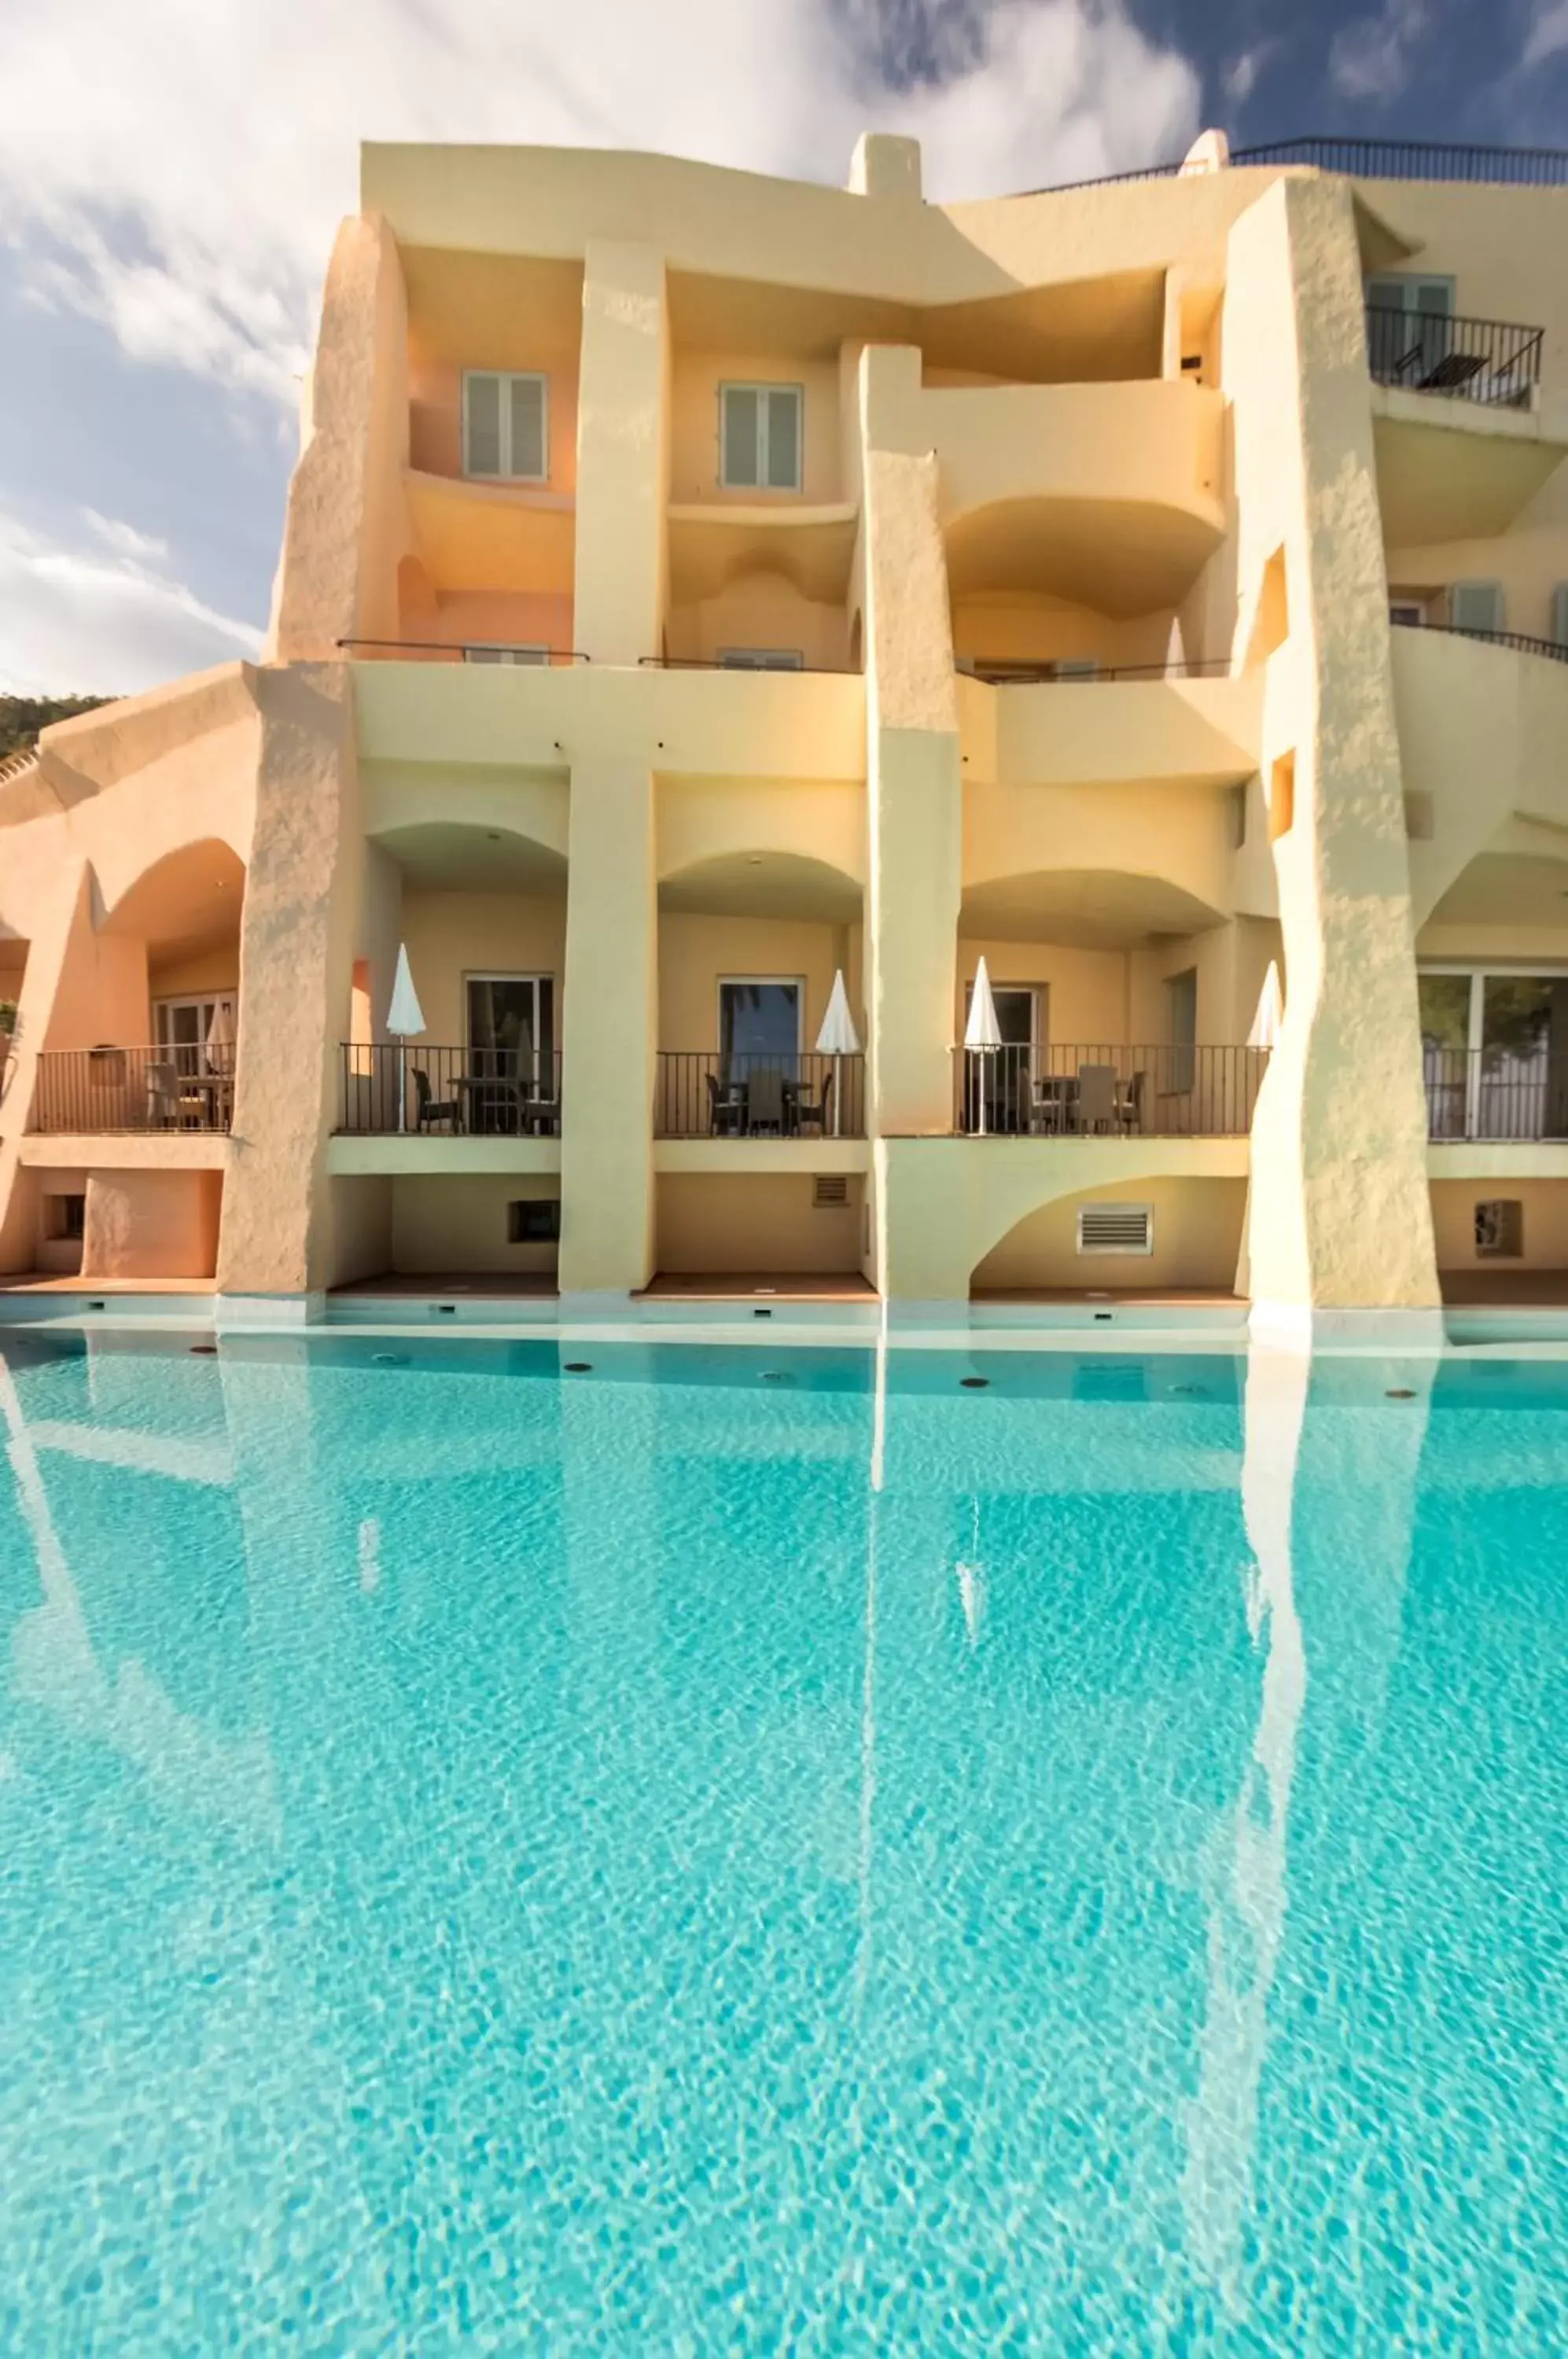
220,1038
838,1037
982,1033
405,1019
1270,1012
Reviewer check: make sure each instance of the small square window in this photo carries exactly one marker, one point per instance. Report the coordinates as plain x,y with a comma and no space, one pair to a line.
534,1220
1499,1229
65,1219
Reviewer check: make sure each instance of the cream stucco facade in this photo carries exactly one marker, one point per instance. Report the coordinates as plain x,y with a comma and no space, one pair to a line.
696,588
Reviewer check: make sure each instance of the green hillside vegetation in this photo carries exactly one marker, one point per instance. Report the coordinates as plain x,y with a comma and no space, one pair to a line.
21,718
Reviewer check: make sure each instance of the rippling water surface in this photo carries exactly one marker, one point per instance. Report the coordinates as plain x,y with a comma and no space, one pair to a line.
766,1851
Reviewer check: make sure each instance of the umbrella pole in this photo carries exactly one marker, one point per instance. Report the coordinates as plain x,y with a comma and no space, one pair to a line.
838,1094
981,1078
402,1088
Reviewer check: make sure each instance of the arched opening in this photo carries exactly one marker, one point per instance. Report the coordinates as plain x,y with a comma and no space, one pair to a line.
1154,1234
761,1036
1123,1007
791,616
464,1082
144,1037
1043,588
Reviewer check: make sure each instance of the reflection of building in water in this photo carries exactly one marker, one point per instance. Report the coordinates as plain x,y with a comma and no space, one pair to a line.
1246,1868
54,1666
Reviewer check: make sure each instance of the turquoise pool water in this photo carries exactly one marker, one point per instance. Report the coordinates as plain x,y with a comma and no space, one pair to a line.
753,1850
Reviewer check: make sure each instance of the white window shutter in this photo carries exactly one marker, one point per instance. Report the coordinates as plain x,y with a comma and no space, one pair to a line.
1560,613
784,438
527,452
1477,605
482,425
742,435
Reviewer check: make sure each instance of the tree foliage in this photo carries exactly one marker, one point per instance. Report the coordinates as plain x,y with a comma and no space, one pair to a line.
22,717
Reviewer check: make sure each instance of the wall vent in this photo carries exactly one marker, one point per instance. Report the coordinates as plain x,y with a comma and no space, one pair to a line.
1116,1228
830,1191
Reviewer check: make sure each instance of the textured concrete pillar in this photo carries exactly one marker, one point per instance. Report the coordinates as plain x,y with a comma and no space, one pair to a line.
622,455
296,967
913,781
1339,1216
610,1011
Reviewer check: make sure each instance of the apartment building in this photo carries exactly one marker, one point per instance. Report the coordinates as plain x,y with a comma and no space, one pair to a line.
979,749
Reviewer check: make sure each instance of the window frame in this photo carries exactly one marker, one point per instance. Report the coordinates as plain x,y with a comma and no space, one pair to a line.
795,982
506,472
539,1056
524,655
759,386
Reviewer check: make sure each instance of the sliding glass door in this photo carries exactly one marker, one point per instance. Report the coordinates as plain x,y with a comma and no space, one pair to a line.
1495,1052
511,1026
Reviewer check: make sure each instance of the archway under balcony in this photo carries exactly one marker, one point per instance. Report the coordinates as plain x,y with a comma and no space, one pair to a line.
1117,557
761,1172
1073,1243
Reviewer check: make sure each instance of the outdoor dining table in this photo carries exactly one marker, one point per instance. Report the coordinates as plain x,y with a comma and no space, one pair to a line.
500,1102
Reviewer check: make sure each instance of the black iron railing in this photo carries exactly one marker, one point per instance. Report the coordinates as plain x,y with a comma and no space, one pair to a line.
1371,160
521,653
1023,675
437,1093
115,1088
718,663
1553,649
1491,1093
703,1094
1418,159
1048,1090
1493,360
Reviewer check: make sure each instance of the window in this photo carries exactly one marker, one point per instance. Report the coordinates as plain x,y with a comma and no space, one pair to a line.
761,660
1559,614
1475,605
499,655
759,437
1495,1053
534,1220
759,1020
1076,667
506,426
511,1026
1499,1229
65,1219
199,1032
1410,612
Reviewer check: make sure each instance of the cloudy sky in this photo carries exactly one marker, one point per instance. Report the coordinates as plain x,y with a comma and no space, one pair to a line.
171,172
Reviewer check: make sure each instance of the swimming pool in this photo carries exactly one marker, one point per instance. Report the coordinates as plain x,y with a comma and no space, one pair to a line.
780,1849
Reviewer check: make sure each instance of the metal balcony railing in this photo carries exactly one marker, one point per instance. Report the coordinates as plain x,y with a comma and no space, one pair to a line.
1496,361
1553,649
1492,1094
700,1093
424,1091
113,1089
1373,159
522,655
1065,672
1048,1090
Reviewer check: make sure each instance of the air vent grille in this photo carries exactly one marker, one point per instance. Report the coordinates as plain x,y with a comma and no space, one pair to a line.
830,1191
1116,1229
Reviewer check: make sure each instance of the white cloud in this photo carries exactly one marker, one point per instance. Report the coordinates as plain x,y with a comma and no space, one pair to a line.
145,548
77,619
1239,78
1547,35
184,191
1376,57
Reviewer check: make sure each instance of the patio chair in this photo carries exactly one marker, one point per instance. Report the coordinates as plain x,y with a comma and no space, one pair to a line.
727,1107
809,1112
1026,1114
1130,1102
432,1109
764,1100
1097,1097
166,1106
